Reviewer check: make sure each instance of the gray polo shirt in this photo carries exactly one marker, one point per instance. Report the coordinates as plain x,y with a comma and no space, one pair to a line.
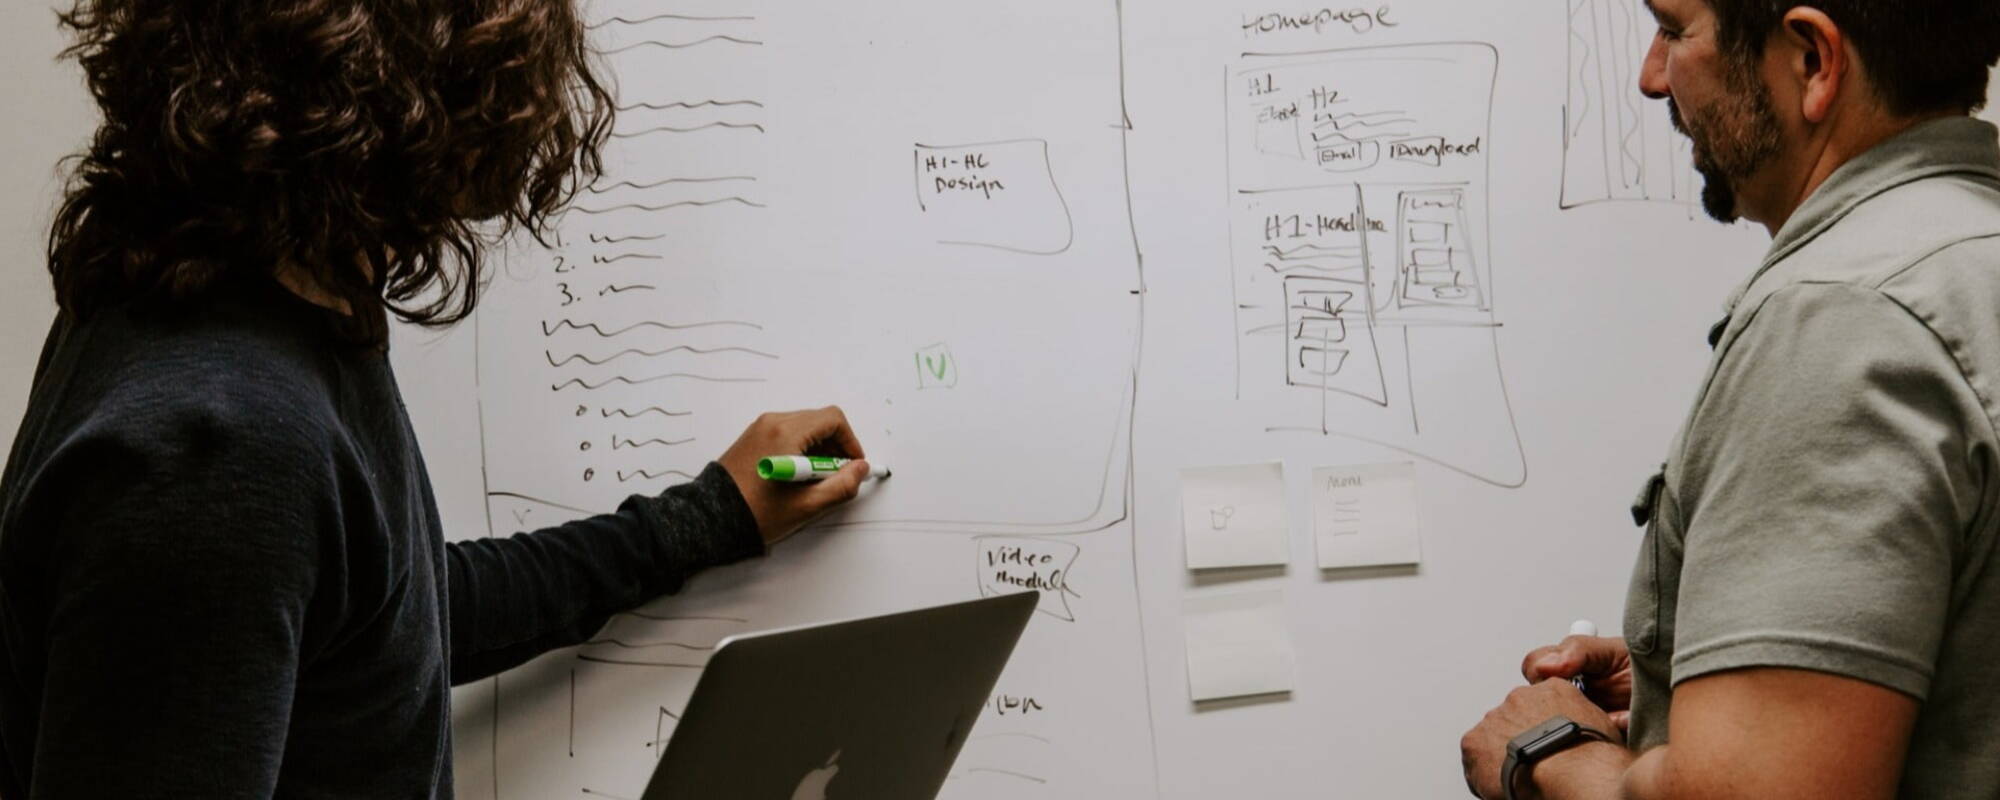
1831,501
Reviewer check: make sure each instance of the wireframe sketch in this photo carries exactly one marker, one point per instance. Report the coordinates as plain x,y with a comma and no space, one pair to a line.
1617,144
1364,298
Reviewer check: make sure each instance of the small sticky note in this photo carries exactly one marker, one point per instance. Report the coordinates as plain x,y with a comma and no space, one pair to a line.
1237,645
1366,516
1234,516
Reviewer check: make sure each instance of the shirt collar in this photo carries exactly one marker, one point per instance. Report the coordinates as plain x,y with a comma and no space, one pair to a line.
1939,147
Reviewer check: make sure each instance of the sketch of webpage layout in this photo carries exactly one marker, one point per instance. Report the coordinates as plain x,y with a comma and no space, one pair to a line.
1365,301
915,210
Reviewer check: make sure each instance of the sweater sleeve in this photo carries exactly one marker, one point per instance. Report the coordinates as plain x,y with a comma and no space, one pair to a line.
518,597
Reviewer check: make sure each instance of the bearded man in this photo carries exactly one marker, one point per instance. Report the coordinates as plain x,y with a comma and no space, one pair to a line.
1816,607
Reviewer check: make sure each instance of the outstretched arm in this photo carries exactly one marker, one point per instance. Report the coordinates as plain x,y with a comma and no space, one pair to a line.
515,598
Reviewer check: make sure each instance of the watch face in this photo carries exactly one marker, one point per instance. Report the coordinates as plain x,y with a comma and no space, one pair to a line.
1551,741
1544,739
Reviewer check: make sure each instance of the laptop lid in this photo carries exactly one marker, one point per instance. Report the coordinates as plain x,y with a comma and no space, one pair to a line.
870,709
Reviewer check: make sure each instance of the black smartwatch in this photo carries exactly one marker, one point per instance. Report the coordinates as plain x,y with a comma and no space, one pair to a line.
1540,742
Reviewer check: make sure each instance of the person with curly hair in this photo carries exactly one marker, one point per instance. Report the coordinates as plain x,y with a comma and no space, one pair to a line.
222,570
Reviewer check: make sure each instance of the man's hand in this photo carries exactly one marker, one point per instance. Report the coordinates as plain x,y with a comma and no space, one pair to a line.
1586,770
1602,662
780,508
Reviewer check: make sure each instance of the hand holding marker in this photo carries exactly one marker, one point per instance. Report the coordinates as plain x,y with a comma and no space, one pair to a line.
802,469
1582,627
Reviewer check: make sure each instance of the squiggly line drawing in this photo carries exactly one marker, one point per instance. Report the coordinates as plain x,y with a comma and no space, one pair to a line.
608,413
1287,255
1358,121
626,477
652,379
621,444
596,239
690,129
1292,267
682,104
649,353
660,183
663,207
658,17
683,45
550,330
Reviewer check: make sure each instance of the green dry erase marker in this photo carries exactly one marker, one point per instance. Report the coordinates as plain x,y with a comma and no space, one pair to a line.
799,469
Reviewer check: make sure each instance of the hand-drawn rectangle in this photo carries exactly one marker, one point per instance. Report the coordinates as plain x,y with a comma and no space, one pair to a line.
1001,195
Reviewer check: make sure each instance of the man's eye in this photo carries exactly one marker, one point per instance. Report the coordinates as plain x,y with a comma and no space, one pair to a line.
1670,34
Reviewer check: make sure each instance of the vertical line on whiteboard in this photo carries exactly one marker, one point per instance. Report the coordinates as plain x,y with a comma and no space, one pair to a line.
1229,211
1485,254
1410,383
1132,421
1368,291
486,505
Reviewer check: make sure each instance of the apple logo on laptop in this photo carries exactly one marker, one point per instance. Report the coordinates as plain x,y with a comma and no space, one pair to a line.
813,785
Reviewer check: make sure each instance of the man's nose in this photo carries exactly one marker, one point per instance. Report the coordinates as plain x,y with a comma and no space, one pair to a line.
1653,73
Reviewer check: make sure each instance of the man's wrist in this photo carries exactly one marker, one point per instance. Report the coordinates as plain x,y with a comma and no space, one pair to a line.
1588,771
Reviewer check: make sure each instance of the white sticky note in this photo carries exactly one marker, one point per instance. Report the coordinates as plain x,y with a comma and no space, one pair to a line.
1237,645
1366,516
1234,516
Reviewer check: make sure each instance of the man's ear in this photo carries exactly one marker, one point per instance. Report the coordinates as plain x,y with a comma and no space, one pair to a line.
1820,64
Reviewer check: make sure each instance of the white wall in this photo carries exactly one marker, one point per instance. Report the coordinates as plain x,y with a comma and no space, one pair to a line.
50,117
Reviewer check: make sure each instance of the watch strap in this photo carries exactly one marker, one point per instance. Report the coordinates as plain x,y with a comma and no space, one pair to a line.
1557,734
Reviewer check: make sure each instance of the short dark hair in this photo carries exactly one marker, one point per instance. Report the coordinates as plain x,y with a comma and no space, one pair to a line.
358,141
1924,56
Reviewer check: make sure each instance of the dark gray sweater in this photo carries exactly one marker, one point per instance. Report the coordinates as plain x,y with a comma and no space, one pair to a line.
222,573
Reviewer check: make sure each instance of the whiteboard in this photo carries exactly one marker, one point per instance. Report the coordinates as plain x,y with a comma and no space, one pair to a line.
1047,254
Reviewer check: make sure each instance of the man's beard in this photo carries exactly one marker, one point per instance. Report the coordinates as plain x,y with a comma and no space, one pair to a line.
1733,138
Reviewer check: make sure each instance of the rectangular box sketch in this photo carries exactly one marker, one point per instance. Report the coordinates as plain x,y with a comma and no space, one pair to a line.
1617,144
1364,299
1436,266
1001,195
1323,350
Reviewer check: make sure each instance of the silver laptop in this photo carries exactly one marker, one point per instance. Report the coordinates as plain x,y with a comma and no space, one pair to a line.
873,709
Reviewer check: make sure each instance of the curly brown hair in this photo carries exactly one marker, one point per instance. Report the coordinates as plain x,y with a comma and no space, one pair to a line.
361,143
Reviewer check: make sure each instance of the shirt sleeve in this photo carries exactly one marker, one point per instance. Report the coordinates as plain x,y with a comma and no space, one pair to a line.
180,575
1831,481
515,598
